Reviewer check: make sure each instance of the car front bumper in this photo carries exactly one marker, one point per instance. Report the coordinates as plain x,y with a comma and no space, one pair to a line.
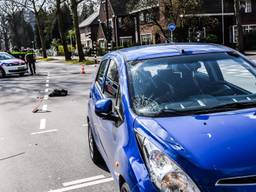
148,186
9,70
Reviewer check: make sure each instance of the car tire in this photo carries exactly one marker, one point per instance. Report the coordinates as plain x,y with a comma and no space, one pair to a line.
2,73
93,150
22,74
125,188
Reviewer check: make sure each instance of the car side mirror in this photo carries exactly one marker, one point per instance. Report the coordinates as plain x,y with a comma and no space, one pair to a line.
103,109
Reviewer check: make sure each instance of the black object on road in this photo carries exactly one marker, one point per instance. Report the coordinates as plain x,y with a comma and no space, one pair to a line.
58,93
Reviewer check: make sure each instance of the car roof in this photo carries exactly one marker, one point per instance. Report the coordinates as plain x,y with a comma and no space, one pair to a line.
165,50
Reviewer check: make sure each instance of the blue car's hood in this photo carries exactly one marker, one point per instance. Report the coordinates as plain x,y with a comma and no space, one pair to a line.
224,143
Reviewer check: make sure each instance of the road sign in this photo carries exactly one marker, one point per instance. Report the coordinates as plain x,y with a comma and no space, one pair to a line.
172,27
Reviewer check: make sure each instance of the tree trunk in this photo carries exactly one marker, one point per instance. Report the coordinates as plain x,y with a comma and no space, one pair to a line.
77,30
240,39
61,31
6,41
41,35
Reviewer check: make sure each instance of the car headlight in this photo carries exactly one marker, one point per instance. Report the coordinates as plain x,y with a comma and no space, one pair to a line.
7,64
164,172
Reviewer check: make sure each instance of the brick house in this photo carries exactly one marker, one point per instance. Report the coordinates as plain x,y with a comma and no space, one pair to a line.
224,12
89,30
146,30
114,15
135,26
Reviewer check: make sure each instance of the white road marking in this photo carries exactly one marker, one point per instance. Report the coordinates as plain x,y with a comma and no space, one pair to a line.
47,81
42,132
85,125
48,77
46,97
46,90
47,85
44,108
83,180
83,185
42,123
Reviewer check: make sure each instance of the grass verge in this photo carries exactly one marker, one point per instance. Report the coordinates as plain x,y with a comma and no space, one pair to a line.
45,59
85,62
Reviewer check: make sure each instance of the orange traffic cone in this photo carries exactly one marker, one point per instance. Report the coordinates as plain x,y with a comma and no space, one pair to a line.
82,69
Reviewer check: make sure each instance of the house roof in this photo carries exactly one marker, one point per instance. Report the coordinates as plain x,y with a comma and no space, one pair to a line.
119,7
141,5
164,50
92,18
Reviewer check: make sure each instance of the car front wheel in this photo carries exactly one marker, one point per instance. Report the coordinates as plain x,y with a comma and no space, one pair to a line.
93,150
125,188
2,73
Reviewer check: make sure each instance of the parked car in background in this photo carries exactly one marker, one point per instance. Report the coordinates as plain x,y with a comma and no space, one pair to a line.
178,117
10,65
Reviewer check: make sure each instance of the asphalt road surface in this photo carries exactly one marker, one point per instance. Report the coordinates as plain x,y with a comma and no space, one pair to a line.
47,151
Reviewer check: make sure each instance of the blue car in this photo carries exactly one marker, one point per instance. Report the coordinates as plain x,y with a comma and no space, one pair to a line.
175,118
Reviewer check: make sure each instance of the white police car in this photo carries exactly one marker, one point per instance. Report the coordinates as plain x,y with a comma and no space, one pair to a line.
9,65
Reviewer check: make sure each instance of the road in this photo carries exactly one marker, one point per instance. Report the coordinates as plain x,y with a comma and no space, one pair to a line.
48,150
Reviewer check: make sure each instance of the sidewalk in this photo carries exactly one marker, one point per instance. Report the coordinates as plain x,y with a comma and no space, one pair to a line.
250,53
74,57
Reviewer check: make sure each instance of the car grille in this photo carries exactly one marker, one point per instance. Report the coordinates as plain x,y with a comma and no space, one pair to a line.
17,64
245,180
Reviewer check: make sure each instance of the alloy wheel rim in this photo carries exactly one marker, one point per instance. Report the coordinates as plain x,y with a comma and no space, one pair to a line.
124,190
91,143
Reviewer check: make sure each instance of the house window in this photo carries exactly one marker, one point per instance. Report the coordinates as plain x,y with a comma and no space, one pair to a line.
248,6
148,18
246,29
110,22
142,19
120,21
102,44
126,41
146,39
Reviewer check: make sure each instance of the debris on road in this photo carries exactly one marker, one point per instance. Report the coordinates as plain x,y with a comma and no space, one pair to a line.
36,108
58,93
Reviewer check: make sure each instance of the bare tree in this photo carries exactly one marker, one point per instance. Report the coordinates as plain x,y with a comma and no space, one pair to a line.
59,15
239,9
4,31
36,6
74,6
8,11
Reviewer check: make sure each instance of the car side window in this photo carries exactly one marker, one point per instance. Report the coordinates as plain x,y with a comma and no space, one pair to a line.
101,72
112,81
112,90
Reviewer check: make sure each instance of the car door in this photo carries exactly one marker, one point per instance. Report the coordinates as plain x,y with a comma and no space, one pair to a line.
96,95
109,130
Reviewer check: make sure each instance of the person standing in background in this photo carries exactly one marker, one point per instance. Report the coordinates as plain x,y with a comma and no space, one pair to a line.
31,62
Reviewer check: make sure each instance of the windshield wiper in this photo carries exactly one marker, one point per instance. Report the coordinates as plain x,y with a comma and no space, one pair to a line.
219,108
236,105
173,112
226,107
